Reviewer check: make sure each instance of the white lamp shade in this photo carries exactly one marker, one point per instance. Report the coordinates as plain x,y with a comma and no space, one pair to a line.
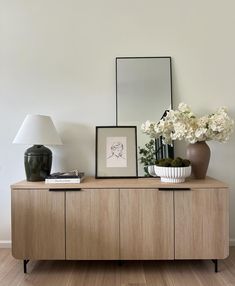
37,130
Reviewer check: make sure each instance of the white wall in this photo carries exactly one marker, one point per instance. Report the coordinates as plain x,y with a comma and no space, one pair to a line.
57,57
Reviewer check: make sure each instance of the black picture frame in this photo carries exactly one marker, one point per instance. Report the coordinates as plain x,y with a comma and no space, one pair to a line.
116,152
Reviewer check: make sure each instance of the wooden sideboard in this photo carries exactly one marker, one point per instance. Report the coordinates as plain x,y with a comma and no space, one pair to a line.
120,219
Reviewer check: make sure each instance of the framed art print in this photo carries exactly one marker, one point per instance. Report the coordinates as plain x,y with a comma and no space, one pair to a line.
116,152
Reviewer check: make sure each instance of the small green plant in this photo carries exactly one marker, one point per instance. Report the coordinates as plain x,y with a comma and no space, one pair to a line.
169,162
148,155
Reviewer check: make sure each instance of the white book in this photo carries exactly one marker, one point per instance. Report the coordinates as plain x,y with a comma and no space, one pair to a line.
64,181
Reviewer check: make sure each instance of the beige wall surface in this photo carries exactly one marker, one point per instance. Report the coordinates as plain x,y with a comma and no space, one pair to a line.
57,58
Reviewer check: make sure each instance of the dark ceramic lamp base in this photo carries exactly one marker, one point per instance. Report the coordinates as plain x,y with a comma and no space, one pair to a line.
37,162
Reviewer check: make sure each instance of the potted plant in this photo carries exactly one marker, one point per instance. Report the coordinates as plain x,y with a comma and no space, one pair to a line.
148,156
182,123
173,170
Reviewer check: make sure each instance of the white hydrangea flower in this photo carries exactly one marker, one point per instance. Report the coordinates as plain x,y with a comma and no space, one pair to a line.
183,107
182,124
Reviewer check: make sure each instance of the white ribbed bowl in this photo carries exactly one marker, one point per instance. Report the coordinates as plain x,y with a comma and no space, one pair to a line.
151,171
172,174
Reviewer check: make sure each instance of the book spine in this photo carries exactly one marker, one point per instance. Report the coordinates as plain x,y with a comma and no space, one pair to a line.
62,181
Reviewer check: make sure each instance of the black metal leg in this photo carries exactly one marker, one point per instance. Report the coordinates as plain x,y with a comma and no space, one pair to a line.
25,265
215,261
120,262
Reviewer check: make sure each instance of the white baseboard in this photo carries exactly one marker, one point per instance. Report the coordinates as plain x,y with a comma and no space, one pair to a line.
5,243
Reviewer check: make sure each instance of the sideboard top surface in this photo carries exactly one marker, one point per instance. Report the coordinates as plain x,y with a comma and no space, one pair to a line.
138,183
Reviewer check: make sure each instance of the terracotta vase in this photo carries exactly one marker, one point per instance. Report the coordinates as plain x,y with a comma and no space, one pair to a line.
199,155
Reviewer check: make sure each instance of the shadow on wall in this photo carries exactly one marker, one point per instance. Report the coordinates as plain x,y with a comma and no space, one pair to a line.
78,149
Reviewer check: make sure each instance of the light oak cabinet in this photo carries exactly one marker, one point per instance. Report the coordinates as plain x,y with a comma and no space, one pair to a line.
92,224
38,221
146,224
120,219
202,224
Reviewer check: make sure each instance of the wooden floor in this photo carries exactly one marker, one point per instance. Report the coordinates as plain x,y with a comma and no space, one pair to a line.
132,273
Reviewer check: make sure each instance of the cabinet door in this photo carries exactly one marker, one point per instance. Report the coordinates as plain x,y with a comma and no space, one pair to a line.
38,230
92,224
201,224
146,224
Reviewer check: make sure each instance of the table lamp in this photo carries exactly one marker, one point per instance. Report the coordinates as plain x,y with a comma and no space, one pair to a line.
38,130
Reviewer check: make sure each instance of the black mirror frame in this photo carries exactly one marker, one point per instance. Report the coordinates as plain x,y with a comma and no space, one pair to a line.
162,150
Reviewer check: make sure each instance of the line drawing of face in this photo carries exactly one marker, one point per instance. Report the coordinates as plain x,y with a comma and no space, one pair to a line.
116,152
117,149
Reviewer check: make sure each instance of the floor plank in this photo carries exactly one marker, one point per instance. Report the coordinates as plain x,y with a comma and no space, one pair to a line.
110,273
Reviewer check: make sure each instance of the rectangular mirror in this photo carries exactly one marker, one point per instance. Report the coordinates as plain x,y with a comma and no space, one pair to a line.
143,92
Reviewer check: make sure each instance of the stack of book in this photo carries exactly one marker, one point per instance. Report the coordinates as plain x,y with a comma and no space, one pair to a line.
67,177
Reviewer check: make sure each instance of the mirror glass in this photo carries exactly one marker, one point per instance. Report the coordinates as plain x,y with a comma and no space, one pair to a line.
143,92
